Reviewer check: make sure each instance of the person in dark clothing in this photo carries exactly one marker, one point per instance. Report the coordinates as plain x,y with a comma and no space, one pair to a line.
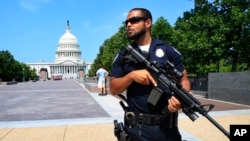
138,83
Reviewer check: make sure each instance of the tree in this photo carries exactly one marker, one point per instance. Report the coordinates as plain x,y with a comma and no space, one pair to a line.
212,33
235,15
6,62
109,49
162,30
12,69
205,36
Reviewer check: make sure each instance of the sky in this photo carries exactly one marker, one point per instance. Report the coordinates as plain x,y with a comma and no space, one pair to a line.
30,29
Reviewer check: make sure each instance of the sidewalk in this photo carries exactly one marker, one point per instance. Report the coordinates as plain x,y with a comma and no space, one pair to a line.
100,128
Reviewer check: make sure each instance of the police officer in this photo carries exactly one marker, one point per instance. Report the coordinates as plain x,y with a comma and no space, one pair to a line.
143,121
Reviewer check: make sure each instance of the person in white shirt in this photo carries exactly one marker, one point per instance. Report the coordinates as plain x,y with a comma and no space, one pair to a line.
101,74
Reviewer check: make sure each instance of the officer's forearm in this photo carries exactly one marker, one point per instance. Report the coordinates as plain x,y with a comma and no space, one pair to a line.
119,85
185,81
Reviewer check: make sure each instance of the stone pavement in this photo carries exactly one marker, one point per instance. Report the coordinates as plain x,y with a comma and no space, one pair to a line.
66,111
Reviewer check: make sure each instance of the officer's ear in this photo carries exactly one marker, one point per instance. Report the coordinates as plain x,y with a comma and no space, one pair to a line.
148,23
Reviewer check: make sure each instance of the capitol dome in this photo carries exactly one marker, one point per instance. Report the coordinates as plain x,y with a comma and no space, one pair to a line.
68,63
67,37
68,47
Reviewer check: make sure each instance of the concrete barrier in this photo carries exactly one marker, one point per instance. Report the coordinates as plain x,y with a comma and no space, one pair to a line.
200,93
8,83
92,87
232,87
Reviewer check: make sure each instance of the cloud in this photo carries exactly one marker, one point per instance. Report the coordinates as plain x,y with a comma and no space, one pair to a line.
96,28
103,28
124,15
86,24
100,29
32,5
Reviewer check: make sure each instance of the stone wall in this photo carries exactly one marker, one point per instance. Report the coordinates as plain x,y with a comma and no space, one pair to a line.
231,87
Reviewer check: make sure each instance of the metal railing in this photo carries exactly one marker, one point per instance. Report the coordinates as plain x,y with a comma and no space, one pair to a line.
199,83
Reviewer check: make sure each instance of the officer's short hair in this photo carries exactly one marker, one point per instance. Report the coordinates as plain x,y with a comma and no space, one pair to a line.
145,12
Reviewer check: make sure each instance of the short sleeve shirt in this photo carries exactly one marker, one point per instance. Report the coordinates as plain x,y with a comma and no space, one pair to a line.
101,74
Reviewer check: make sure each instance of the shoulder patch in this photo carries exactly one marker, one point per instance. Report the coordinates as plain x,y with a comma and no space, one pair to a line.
116,57
176,51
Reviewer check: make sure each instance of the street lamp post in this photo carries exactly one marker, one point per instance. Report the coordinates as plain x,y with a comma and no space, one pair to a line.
84,76
23,75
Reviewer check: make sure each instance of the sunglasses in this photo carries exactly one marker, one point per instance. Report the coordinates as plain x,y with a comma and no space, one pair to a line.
134,20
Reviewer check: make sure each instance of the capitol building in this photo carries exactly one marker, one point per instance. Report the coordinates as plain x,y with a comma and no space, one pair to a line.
68,63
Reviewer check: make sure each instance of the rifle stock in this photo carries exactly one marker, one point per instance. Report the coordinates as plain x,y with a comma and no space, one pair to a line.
190,105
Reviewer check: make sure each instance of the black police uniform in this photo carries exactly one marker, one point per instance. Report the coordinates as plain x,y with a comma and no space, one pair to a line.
137,95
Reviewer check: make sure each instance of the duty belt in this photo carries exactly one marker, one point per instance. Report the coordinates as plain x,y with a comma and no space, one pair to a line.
166,120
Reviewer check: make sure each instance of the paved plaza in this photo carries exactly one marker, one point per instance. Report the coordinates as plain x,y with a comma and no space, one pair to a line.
65,110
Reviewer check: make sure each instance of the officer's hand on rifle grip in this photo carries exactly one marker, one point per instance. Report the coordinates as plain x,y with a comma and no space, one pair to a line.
174,104
143,77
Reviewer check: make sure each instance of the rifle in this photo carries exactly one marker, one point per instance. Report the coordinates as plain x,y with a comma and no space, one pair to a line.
164,76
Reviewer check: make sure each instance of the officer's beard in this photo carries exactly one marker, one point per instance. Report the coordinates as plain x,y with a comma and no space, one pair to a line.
137,35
